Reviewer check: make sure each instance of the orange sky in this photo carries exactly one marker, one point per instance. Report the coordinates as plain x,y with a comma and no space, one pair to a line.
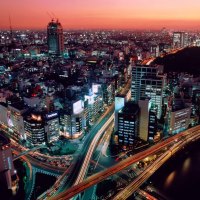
83,14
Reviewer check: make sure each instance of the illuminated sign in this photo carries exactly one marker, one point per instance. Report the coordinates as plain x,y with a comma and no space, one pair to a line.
55,114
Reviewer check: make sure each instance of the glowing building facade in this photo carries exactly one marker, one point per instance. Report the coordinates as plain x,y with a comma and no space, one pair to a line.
128,124
35,129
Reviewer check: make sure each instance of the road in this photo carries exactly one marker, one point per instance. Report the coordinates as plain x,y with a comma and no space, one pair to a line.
80,164
146,195
18,149
98,177
39,164
28,151
134,185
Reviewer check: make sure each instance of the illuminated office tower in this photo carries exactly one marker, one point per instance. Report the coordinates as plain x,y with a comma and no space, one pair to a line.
152,86
6,163
148,81
34,125
52,126
72,120
55,39
11,116
138,72
73,124
153,124
179,119
128,124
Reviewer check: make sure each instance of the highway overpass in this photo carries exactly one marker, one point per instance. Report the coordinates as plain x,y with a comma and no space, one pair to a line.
79,168
98,177
28,151
145,175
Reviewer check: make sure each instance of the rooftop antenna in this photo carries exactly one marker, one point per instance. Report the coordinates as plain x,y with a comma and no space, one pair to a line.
51,17
54,15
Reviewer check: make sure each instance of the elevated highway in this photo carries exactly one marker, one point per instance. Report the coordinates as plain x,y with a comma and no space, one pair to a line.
98,177
133,186
28,151
79,168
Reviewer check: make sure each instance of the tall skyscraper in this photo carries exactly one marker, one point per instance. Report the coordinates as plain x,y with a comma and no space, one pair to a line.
153,88
55,39
147,81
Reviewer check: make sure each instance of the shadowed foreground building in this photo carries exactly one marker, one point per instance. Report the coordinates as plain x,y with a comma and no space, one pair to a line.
128,124
7,170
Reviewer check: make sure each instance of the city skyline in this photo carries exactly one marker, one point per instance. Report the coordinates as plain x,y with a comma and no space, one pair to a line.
111,14
99,99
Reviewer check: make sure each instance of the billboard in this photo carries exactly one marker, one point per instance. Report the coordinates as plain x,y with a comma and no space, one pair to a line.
78,107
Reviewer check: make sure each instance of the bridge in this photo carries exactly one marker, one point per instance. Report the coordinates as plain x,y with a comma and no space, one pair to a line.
131,188
34,171
177,140
28,151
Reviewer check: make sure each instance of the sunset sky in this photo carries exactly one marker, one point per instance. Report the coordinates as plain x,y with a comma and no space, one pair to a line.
83,14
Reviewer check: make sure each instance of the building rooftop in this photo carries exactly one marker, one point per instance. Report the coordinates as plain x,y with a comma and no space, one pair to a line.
130,108
19,106
3,140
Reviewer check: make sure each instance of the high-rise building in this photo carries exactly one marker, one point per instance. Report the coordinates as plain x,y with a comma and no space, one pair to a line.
153,123
73,124
152,86
180,39
148,119
52,126
179,119
11,116
55,38
7,169
128,124
73,119
138,71
34,125
147,81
